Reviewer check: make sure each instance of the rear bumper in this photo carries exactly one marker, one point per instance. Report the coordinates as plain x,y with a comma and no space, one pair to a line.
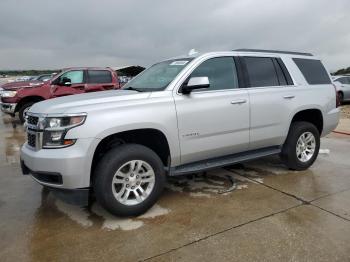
79,196
330,121
8,108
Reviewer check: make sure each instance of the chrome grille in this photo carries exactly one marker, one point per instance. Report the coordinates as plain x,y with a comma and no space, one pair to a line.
32,120
31,139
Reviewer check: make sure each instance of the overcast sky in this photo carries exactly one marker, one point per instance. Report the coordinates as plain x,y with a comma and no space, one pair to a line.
40,34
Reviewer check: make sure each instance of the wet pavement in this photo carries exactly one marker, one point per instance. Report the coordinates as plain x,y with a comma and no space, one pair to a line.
259,211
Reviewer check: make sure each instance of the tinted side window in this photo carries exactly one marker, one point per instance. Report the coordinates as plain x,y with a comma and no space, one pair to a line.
313,71
261,71
99,76
221,72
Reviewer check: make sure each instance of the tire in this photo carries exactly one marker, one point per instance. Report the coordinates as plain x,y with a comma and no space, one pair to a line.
341,98
290,149
23,110
116,165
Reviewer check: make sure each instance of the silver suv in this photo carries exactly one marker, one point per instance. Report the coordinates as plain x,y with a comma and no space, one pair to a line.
180,116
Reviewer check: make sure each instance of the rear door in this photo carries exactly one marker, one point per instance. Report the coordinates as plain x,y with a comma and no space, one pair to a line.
272,99
213,121
99,80
77,83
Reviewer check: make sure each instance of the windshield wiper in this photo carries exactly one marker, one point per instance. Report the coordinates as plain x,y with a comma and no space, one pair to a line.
132,88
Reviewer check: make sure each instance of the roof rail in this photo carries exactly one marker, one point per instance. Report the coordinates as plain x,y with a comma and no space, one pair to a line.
272,51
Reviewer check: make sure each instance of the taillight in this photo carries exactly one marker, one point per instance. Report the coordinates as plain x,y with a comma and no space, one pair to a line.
337,103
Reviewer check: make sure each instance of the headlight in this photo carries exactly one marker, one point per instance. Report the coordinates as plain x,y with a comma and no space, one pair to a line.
9,93
56,129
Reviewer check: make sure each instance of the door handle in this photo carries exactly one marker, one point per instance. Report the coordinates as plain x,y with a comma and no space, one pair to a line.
239,101
288,97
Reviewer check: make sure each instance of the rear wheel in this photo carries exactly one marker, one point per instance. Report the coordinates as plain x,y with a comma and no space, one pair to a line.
129,180
301,147
23,110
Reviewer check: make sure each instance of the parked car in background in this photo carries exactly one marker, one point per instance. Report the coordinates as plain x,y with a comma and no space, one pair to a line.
43,78
23,78
18,97
342,83
180,116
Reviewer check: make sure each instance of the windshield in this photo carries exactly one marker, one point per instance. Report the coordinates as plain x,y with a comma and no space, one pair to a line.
158,76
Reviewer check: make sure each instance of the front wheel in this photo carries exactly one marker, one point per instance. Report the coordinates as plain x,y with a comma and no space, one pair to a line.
301,147
129,180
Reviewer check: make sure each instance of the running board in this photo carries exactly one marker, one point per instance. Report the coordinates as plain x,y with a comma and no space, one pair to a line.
223,161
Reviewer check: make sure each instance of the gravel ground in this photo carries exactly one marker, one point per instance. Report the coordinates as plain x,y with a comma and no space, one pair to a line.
345,111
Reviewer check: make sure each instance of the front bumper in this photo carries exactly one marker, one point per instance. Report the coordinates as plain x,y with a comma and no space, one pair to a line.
80,196
65,168
8,108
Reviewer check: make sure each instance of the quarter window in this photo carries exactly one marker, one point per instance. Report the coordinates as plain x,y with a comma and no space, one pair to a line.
221,72
313,71
99,76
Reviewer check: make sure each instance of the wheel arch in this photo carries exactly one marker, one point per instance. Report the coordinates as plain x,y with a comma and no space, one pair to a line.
28,99
153,138
311,115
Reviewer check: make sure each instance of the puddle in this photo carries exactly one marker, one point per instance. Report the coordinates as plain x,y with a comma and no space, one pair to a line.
209,184
83,216
78,214
112,223
155,211
324,151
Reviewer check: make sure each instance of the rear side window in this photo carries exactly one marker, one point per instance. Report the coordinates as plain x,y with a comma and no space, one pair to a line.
221,72
313,71
99,76
262,72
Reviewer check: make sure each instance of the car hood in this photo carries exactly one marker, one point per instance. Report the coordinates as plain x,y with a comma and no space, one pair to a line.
83,103
22,84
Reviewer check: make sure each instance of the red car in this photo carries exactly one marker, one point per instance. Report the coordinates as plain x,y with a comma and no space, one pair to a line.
20,96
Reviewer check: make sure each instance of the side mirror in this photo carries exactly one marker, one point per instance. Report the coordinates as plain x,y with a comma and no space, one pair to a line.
66,81
195,83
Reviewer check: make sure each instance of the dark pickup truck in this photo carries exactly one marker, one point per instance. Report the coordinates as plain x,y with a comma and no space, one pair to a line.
20,96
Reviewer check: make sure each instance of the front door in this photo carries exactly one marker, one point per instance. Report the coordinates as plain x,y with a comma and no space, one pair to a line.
214,121
69,83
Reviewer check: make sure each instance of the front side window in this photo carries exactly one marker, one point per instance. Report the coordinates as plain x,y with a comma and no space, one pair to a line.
313,71
221,72
75,77
158,76
99,76
261,71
